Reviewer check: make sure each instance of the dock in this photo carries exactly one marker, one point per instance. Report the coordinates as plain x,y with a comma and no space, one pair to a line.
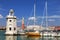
2,28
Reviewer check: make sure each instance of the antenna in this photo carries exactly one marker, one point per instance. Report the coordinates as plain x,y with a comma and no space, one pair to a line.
34,10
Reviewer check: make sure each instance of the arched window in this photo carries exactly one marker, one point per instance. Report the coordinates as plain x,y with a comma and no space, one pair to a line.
14,28
10,20
10,28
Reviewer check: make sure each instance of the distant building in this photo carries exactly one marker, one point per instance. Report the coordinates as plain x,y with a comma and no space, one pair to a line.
51,27
57,28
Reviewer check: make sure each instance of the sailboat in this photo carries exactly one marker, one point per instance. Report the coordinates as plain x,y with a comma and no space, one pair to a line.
34,31
47,32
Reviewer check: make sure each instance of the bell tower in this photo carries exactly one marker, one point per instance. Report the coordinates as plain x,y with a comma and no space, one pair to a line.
23,24
11,26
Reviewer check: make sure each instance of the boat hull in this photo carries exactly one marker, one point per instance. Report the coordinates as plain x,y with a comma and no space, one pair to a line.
33,34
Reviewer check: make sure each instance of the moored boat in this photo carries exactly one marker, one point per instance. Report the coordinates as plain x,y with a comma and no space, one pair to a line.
33,34
36,33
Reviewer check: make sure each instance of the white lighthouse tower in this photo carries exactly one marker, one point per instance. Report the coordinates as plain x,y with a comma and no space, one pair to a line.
11,26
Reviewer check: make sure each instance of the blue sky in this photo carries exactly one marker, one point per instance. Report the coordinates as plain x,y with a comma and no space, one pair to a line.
25,8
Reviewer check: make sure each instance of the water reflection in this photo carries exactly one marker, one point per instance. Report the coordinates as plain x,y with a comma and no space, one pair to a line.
11,37
34,38
31,38
47,38
50,38
57,38
22,38
43,38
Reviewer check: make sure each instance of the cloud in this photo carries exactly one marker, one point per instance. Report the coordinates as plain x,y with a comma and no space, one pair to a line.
53,16
31,18
51,20
1,16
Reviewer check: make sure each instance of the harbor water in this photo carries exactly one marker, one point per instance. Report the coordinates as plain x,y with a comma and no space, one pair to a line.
4,37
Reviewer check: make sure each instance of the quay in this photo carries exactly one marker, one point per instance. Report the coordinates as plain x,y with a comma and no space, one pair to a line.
2,28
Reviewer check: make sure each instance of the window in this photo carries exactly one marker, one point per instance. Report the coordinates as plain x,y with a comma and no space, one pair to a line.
14,20
14,28
10,20
10,28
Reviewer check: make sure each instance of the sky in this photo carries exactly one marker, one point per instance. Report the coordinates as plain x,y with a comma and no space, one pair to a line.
25,8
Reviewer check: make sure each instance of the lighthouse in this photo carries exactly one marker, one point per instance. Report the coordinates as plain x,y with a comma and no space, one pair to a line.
11,26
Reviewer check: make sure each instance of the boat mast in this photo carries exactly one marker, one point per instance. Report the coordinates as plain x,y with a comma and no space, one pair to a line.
46,14
34,10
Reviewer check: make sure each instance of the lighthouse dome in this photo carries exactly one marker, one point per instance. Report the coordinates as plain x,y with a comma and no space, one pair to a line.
11,12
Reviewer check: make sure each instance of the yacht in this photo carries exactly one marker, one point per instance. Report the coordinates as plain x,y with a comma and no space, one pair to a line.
34,31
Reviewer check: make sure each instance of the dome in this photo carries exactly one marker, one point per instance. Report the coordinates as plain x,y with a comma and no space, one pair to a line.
11,10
